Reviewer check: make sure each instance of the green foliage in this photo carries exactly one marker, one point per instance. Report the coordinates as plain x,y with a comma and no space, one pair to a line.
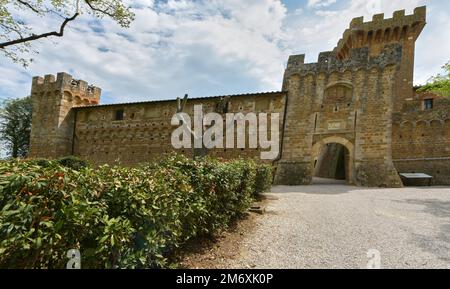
40,162
117,217
263,179
439,84
15,126
73,162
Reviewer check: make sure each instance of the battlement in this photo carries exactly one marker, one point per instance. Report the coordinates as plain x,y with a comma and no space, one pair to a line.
379,42
329,62
399,28
64,82
296,60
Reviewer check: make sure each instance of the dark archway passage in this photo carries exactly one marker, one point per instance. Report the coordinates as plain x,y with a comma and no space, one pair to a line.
332,162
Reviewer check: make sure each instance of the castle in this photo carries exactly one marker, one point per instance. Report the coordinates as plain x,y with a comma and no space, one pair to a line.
354,114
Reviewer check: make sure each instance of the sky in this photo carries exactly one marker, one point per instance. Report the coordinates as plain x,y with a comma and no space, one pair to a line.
209,47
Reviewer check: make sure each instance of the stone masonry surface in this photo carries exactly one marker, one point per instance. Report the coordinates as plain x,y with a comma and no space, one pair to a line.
359,95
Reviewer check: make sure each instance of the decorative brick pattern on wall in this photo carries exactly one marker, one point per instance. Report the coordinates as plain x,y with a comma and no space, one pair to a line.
145,131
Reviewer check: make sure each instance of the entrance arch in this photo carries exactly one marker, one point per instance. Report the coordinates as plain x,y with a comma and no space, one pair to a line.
349,159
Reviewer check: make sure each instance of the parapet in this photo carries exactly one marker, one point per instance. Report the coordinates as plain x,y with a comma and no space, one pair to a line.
328,61
380,30
296,60
64,82
366,45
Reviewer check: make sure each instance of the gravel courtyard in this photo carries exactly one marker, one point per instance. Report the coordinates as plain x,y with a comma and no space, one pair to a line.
334,226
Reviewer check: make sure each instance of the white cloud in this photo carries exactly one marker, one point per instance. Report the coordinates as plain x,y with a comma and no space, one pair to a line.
433,47
320,3
173,47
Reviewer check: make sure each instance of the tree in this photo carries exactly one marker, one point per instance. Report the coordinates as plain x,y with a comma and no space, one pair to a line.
439,84
15,126
16,36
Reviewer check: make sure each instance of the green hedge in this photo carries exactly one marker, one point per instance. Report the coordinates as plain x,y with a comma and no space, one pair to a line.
69,162
118,217
263,179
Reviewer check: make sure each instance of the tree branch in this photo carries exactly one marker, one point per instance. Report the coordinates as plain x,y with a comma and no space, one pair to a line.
29,6
98,9
11,29
59,33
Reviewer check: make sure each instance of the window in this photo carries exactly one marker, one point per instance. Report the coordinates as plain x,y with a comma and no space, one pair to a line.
119,114
428,104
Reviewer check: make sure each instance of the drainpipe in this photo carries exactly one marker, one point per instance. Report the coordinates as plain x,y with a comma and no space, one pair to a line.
73,133
280,154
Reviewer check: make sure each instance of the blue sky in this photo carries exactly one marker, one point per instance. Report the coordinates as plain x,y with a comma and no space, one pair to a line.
209,47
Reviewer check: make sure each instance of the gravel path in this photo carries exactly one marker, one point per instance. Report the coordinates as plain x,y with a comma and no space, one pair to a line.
334,226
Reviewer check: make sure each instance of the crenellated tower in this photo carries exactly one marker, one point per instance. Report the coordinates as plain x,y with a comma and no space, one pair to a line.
348,97
376,34
53,118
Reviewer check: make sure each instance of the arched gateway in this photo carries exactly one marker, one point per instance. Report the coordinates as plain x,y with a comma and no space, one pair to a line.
330,162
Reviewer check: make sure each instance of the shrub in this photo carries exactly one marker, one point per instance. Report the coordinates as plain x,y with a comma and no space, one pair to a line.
39,162
41,216
117,217
263,179
72,162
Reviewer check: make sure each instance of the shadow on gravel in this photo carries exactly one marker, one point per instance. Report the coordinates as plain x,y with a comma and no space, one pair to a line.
328,188
434,207
437,245
312,189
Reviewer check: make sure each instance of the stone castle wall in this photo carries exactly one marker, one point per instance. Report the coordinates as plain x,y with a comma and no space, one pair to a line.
341,101
53,118
421,138
144,134
348,97
359,95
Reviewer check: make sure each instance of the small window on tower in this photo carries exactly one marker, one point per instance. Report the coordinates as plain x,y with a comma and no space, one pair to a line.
119,114
428,104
